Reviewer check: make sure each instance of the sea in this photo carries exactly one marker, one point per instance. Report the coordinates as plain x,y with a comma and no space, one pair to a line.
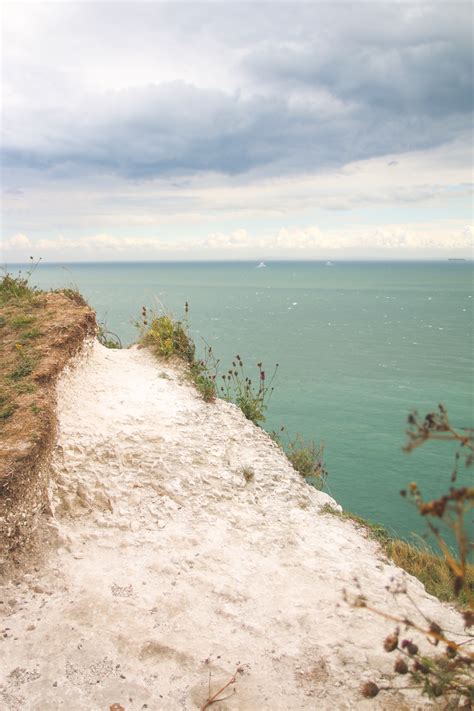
359,347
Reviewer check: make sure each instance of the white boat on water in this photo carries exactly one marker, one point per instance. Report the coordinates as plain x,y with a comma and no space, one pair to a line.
262,264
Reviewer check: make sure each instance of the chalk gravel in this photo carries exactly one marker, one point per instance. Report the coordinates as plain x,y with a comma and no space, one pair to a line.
170,571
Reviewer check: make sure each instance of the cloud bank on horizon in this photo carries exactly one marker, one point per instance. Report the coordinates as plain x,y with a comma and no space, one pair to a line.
235,130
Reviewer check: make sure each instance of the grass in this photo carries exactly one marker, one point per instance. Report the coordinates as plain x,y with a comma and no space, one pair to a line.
305,456
22,320
26,317
108,338
7,411
22,369
431,569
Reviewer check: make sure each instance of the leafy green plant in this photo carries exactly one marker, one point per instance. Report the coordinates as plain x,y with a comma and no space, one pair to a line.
166,337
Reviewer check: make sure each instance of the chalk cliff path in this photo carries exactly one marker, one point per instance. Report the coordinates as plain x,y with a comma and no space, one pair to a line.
169,567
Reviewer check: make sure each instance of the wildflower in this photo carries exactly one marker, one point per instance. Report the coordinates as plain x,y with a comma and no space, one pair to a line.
410,646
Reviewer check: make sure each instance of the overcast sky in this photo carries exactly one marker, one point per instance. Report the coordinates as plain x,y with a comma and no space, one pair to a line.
236,130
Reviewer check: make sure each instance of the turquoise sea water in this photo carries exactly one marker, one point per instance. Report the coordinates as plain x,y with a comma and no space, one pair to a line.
359,346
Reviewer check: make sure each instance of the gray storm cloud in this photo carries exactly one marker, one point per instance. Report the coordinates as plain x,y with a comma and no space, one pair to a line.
309,86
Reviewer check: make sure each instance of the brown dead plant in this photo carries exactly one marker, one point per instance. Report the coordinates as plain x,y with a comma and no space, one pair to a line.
216,697
444,675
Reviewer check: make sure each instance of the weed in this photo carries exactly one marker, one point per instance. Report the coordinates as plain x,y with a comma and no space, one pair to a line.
30,335
35,409
252,398
213,698
22,320
166,337
108,338
306,457
248,474
25,387
419,561
6,411
446,674
203,374
18,287
73,294
205,384
24,368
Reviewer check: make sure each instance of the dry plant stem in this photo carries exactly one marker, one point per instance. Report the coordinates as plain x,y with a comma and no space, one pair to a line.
436,636
214,698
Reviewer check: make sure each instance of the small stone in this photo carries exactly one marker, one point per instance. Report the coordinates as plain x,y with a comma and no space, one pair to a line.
30,628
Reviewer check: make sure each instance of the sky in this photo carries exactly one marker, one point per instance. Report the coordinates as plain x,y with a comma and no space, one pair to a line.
221,130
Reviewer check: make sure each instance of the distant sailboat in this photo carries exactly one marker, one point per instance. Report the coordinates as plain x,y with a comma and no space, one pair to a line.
262,264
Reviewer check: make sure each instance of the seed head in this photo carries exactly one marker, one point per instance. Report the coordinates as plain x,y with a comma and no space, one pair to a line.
410,647
401,666
418,666
391,642
369,689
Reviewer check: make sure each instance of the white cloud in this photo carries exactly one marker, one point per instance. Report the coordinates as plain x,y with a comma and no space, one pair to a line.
307,242
18,241
203,129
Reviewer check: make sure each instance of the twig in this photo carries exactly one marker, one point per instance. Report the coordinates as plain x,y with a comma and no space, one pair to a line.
212,699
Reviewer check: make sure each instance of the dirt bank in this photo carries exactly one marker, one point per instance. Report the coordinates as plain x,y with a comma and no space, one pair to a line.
39,335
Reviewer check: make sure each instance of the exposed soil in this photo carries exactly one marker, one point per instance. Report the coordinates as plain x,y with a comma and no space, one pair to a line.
38,337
